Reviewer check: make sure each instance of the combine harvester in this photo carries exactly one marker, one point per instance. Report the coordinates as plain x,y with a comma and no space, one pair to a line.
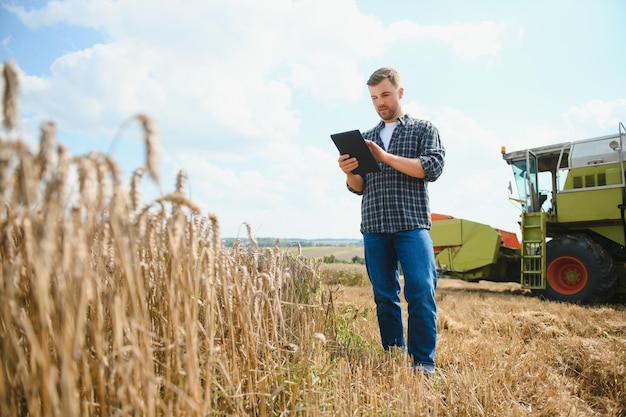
573,228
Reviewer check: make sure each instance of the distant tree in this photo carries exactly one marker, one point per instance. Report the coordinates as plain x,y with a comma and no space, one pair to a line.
330,259
358,260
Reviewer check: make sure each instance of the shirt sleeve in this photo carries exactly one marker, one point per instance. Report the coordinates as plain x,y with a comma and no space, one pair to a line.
433,155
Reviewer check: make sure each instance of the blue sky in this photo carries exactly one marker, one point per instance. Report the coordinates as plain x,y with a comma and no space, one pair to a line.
245,93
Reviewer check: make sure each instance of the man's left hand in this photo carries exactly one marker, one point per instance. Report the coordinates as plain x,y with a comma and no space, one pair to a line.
379,153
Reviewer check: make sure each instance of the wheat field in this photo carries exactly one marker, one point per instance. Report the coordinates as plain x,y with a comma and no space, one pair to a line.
111,306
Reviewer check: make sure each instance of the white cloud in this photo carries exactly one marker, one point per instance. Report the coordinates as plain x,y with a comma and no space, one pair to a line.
211,62
467,40
6,41
592,119
603,115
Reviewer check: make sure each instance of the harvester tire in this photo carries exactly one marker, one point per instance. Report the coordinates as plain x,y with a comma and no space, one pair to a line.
578,270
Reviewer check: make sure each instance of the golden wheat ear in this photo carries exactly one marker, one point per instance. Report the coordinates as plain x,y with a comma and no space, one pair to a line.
135,193
10,96
152,146
47,142
215,227
181,181
250,235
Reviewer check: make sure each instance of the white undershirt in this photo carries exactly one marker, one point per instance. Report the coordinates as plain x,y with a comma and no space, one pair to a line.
386,132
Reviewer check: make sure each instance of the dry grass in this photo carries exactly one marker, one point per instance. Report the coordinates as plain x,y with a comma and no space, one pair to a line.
504,352
108,308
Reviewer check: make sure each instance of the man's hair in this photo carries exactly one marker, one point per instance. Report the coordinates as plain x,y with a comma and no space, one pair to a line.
382,73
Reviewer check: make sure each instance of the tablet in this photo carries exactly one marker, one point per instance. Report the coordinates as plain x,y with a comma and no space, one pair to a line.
353,144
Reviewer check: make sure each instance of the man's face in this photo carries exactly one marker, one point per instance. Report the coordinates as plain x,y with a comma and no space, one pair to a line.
386,100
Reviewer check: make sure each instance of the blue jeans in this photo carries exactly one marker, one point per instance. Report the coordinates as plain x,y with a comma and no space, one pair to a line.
413,249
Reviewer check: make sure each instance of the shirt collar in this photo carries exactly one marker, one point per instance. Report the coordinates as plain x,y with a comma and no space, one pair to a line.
401,121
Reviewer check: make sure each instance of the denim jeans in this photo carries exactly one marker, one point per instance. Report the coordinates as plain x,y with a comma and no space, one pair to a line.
413,249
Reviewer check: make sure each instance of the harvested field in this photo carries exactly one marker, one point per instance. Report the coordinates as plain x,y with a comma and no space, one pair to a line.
344,254
504,352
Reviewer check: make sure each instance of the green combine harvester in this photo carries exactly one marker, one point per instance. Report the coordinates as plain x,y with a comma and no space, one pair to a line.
573,197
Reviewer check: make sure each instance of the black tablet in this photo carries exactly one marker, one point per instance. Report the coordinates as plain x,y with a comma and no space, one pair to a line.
353,144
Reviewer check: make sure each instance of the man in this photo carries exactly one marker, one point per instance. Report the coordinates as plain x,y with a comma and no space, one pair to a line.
395,219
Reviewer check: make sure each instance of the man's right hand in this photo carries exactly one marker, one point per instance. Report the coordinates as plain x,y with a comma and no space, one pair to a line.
348,164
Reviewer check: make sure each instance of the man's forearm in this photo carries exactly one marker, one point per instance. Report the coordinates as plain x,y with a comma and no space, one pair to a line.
355,181
409,166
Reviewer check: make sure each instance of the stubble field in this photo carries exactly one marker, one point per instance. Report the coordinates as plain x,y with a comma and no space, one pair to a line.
502,351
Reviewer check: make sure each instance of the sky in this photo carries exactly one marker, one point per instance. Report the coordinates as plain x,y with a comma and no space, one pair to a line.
244,94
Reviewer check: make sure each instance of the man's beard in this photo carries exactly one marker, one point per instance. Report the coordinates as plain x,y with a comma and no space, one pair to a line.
391,114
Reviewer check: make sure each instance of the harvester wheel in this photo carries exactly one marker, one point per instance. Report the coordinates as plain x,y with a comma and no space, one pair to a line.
578,270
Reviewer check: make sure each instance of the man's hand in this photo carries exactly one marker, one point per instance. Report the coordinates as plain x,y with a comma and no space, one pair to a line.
409,166
347,163
380,155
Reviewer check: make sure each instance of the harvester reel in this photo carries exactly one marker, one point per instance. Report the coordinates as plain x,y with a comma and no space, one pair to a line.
578,270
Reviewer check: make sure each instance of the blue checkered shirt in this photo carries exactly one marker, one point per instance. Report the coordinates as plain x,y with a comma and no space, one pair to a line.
392,201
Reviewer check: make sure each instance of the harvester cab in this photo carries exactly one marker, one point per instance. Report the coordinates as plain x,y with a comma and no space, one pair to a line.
573,197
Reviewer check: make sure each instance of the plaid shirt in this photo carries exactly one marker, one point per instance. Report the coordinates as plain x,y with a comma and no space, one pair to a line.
393,201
